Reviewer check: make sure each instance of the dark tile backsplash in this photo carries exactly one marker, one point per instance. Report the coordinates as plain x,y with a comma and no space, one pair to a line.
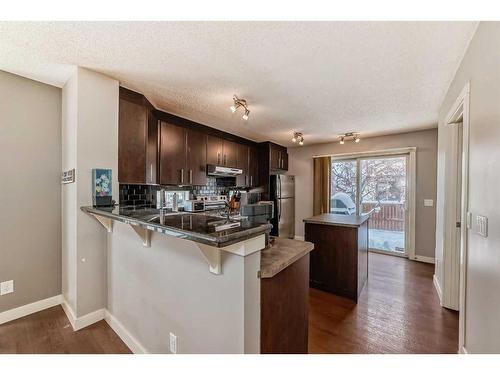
145,195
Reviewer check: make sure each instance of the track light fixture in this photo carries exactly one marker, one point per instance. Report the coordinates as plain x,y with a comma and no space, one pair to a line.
353,136
240,103
298,137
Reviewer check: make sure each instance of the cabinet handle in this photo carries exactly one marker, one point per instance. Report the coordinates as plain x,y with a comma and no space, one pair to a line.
225,159
151,172
251,180
246,180
182,176
190,176
218,158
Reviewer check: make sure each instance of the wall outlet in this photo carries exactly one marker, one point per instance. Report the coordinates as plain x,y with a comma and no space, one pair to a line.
428,202
482,225
6,287
173,343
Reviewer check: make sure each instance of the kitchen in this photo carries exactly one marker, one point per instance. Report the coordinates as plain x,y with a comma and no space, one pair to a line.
185,180
182,206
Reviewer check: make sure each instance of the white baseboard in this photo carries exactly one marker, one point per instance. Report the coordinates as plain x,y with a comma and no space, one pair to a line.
463,350
133,344
299,238
438,289
77,323
83,321
30,308
424,259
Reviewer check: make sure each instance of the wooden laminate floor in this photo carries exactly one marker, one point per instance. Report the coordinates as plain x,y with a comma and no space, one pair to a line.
50,332
398,312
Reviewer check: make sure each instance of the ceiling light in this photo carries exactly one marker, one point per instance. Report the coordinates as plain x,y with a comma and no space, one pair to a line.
240,103
298,137
245,116
353,136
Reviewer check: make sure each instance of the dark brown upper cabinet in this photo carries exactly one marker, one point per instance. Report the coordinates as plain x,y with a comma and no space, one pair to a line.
242,162
253,167
173,169
278,157
196,159
214,150
137,140
230,153
182,156
221,152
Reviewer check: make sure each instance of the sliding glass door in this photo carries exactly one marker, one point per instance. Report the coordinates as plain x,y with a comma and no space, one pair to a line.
377,186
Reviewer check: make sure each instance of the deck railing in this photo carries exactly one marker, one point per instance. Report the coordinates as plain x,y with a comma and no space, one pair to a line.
391,215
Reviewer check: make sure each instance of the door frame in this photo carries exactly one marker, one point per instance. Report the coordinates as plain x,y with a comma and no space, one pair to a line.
411,185
455,264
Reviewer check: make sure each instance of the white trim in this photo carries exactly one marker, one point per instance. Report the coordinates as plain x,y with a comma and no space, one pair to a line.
133,344
420,258
455,265
463,350
435,281
299,238
352,155
83,321
30,308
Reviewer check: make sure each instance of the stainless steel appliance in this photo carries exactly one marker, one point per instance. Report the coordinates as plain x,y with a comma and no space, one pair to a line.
282,193
213,202
218,171
194,206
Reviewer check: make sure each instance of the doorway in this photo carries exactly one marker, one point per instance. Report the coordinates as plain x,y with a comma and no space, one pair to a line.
379,185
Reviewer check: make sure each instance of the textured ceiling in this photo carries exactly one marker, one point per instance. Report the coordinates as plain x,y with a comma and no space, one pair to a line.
320,78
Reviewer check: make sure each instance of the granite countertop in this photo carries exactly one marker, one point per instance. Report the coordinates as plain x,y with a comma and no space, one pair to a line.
198,227
281,254
338,220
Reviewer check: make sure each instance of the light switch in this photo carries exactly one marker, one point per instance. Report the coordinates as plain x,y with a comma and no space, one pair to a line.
482,225
428,203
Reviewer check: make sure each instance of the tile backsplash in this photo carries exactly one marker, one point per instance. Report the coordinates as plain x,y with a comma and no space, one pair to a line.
145,195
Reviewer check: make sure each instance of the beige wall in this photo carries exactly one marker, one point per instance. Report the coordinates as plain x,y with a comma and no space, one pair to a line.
301,165
480,67
168,288
90,140
30,190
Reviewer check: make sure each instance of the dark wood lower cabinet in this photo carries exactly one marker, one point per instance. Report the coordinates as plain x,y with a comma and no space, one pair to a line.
284,314
339,263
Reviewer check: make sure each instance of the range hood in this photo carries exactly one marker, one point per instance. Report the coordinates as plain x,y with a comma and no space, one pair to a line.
218,171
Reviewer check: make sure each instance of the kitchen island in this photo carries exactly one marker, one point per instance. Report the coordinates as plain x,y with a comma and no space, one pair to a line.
339,263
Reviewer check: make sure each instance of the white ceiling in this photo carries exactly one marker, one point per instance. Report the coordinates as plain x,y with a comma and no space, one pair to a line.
320,78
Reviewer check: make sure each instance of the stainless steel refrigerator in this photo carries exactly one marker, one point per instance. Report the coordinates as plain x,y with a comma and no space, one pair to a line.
282,193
